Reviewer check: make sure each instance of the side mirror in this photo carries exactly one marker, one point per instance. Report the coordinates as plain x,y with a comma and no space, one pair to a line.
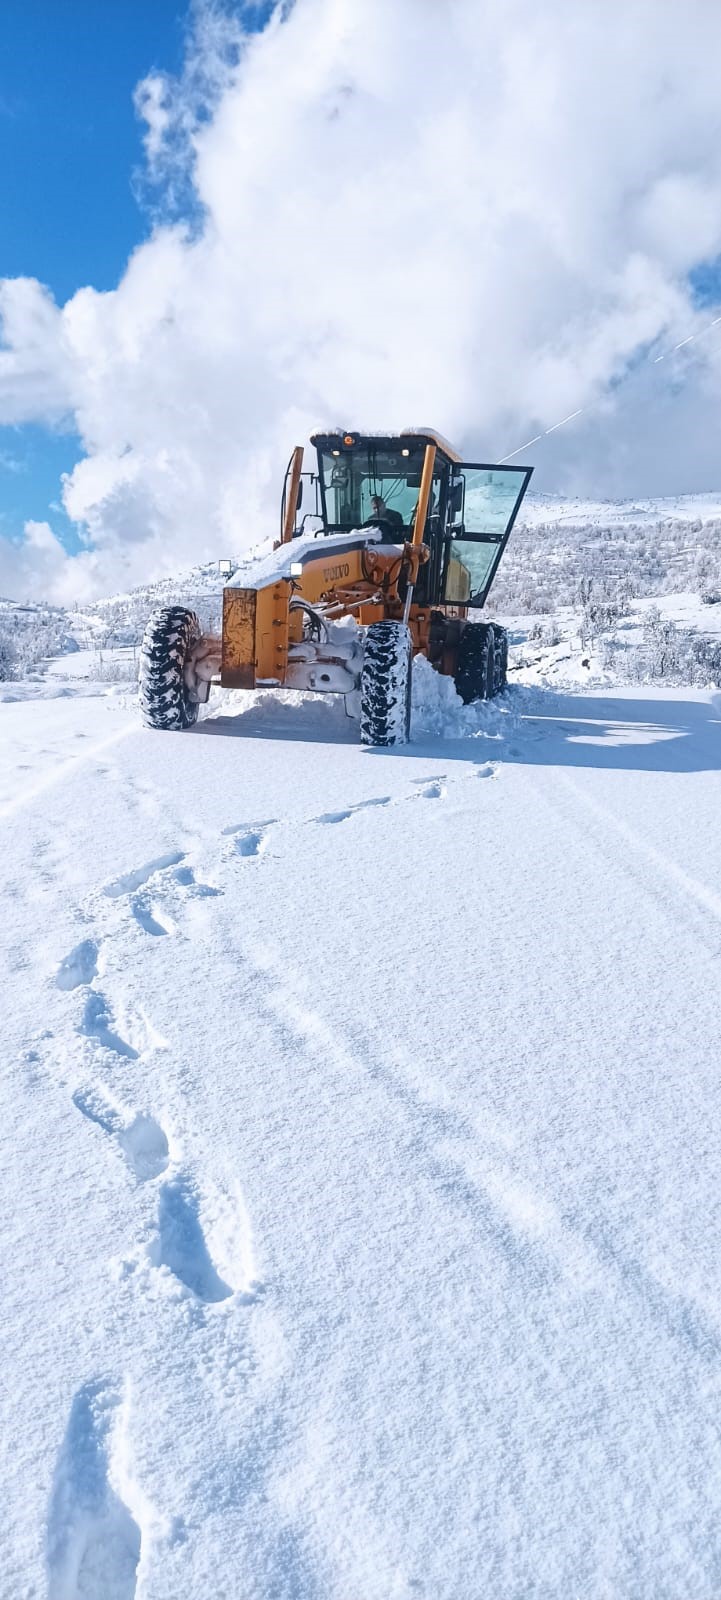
299,501
456,497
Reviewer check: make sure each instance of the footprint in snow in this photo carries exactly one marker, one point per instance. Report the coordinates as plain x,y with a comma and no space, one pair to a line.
430,788
204,1239
93,1540
97,1023
151,920
249,841
185,876
250,844
79,967
327,817
181,1242
141,1140
130,881
151,888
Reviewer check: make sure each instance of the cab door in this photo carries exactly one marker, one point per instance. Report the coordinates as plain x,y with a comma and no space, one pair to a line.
484,504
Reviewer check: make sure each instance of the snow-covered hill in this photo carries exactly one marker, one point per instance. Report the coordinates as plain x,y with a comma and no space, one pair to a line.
637,548
556,510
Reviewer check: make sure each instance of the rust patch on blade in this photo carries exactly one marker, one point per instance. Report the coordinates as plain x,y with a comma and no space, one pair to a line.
238,664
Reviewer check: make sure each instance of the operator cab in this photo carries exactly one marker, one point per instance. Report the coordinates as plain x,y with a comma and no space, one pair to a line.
370,481
374,480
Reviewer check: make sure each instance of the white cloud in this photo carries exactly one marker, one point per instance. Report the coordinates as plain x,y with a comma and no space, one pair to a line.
37,567
461,214
35,366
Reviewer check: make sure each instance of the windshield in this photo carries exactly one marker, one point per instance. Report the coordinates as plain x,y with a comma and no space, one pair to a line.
369,485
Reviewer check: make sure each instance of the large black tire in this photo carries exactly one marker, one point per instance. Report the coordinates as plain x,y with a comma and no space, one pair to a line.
162,691
475,675
385,717
500,665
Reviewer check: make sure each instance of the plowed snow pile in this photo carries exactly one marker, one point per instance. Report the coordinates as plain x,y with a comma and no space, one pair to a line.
362,1150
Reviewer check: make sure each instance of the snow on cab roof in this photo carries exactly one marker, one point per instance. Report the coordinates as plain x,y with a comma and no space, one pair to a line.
430,435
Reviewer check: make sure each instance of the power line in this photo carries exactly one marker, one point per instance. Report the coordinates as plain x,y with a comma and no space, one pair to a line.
691,337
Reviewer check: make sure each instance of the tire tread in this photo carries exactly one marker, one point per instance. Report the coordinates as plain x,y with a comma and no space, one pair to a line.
162,694
386,684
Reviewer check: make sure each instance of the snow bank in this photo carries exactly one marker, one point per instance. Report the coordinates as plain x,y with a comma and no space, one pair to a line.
439,713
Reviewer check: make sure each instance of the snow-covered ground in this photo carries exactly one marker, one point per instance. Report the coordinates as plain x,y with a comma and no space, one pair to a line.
361,1148
553,649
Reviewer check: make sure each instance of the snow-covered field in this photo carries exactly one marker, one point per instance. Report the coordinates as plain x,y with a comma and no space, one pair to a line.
361,1147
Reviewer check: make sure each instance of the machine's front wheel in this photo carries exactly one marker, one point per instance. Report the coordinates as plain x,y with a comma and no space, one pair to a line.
162,691
475,675
385,717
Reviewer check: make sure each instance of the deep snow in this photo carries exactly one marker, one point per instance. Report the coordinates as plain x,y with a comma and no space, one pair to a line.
361,1150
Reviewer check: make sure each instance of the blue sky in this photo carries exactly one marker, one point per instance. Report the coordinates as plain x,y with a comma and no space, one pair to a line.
69,139
605,205
69,145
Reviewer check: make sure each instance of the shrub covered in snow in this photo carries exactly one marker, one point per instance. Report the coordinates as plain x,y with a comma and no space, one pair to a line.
8,656
545,562
29,635
667,651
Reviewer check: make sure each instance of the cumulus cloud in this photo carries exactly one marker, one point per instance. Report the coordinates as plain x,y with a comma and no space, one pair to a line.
38,566
380,216
35,365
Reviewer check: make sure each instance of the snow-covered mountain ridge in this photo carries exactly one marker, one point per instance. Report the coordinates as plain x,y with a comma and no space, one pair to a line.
543,509
643,547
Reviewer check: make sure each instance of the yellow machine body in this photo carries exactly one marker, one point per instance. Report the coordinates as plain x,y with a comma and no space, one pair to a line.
346,572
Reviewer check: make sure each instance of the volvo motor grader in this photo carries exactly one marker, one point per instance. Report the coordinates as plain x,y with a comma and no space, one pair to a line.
404,541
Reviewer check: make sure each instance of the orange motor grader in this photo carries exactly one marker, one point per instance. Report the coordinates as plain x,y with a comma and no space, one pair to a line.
405,540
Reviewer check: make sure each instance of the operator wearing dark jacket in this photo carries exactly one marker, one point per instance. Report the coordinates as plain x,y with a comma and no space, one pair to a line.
383,514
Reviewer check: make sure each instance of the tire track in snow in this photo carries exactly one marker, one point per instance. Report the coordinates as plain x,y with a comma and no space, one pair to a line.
432,1127
706,899
692,902
66,769
473,1166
